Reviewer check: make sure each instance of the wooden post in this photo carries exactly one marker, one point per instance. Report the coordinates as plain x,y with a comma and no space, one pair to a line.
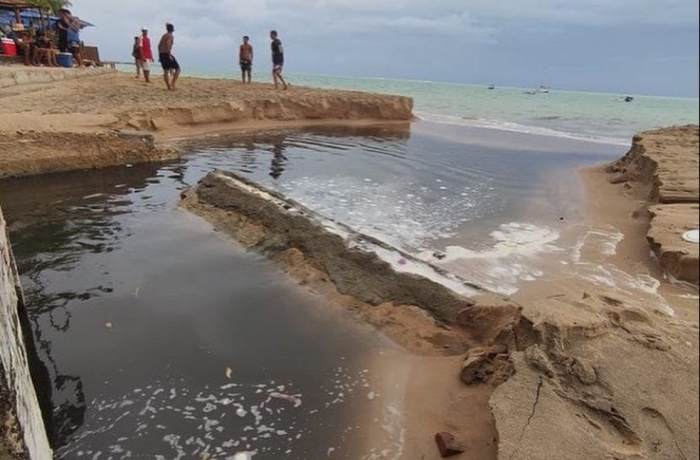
18,18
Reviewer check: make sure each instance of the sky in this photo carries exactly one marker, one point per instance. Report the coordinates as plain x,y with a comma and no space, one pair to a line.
618,46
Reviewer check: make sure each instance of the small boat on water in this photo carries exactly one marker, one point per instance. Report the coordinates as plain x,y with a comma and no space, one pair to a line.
492,87
628,99
539,90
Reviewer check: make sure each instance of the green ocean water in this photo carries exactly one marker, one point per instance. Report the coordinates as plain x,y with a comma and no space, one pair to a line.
578,115
604,117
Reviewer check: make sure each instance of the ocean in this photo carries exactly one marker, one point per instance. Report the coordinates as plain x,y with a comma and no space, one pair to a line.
598,117
577,115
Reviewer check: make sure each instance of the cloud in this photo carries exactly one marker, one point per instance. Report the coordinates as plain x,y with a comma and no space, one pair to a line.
395,36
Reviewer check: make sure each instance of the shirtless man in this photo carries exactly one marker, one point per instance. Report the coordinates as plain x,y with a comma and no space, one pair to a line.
245,59
171,68
277,59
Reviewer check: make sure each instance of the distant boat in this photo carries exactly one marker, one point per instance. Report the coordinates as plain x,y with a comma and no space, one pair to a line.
492,86
543,89
628,99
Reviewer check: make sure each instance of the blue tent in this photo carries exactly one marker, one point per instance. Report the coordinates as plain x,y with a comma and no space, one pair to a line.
30,17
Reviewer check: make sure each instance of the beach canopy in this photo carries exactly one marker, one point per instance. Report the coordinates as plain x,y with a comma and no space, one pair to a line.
28,15
12,4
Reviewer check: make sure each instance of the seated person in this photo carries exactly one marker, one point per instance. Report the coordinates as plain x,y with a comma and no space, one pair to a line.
44,51
24,42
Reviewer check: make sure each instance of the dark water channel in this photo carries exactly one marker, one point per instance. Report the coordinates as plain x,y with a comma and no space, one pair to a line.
162,339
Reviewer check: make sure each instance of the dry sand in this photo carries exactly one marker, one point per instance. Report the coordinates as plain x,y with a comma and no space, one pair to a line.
54,115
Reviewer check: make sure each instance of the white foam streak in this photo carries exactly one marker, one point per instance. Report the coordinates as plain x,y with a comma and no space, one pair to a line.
517,128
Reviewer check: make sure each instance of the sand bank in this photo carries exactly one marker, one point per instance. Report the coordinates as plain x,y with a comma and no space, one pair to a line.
98,105
569,368
662,168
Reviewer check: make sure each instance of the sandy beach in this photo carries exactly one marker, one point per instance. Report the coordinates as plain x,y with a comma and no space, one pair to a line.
105,108
566,368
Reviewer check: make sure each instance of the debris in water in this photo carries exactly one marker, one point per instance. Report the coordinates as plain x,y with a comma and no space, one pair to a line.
296,399
242,456
229,372
108,325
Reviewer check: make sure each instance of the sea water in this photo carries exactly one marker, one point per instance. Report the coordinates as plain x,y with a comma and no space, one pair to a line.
601,117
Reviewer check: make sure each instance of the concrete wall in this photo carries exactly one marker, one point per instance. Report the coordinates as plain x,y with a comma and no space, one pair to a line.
22,432
21,75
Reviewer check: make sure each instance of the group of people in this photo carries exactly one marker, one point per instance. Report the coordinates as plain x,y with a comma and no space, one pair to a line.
143,56
40,45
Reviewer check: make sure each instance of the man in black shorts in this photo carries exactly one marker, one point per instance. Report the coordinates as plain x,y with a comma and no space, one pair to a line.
171,68
277,60
245,59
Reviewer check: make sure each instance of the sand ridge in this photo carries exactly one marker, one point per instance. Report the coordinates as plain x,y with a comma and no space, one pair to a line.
662,167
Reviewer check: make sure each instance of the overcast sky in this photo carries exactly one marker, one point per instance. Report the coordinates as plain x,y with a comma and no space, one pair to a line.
620,46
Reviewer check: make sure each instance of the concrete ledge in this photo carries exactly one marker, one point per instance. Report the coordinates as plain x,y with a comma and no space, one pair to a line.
22,75
22,432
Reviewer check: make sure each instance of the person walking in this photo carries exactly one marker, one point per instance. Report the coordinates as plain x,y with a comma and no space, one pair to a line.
277,60
171,68
137,54
245,59
146,54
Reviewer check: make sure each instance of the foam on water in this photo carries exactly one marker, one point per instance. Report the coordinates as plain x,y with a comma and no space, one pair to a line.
401,262
231,421
519,128
403,214
591,259
508,262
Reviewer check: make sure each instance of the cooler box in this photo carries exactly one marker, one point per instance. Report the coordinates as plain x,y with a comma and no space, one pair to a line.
9,47
65,59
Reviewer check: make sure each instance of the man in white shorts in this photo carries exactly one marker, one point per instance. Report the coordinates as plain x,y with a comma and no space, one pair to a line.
146,55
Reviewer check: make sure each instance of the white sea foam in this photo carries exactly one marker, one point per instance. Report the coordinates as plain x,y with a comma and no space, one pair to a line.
271,426
592,258
511,260
517,128
404,215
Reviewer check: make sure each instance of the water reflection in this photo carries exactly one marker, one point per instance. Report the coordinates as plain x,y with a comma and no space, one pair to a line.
53,225
138,309
278,161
